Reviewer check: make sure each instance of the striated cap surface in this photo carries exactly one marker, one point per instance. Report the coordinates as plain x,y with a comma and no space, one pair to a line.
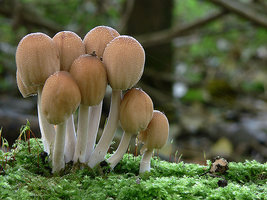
60,97
70,47
37,57
124,59
157,132
25,91
97,39
90,75
136,111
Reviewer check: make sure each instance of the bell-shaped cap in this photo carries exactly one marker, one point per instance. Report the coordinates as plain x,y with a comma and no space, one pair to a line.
157,132
60,97
37,57
90,75
97,39
136,111
25,91
70,47
124,59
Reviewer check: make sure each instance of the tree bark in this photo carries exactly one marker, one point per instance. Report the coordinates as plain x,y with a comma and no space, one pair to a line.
147,17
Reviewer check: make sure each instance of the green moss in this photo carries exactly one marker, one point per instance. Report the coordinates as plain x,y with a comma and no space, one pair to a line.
27,176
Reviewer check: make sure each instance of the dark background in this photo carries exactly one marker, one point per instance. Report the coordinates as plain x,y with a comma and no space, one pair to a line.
206,67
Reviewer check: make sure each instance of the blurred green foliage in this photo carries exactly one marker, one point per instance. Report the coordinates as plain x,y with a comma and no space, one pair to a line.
187,11
226,44
229,49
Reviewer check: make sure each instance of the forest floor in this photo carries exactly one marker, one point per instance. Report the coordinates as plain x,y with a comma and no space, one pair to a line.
25,173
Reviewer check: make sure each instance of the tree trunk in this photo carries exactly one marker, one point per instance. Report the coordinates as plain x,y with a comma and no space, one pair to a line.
146,17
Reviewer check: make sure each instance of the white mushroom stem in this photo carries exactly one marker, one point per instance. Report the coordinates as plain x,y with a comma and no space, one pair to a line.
70,140
47,130
58,161
82,134
102,147
145,162
94,119
122,148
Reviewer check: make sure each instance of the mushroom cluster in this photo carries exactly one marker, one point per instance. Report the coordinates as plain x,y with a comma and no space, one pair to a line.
68,73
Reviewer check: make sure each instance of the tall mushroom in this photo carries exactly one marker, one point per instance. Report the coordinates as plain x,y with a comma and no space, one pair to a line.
136,110
90,75
70,47
95,42
37,58
154,137
124,59
61,97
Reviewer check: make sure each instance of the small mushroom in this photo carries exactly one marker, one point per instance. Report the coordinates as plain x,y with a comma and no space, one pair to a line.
90,75
61,97
124,59
136,110
37,58
154,137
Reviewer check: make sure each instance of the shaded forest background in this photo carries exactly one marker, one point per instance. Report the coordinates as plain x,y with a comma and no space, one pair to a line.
206,67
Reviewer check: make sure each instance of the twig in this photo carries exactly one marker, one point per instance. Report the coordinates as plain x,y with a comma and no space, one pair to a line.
28,15
179,159
243,10
35,139
1,136
28,139
136,147
165,36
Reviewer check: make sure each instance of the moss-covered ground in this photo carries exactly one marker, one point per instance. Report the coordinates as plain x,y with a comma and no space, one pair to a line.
25,174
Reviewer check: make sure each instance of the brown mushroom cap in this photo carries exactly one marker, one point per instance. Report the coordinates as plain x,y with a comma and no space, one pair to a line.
90,75
136,111
60,97
97,39
70,47
124,59
156,134
25,91
37,58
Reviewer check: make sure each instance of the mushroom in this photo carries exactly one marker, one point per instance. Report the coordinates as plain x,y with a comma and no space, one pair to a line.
154,137
136,110
124,59
97,39
37,58
70,47
61,97
90,75
95,42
